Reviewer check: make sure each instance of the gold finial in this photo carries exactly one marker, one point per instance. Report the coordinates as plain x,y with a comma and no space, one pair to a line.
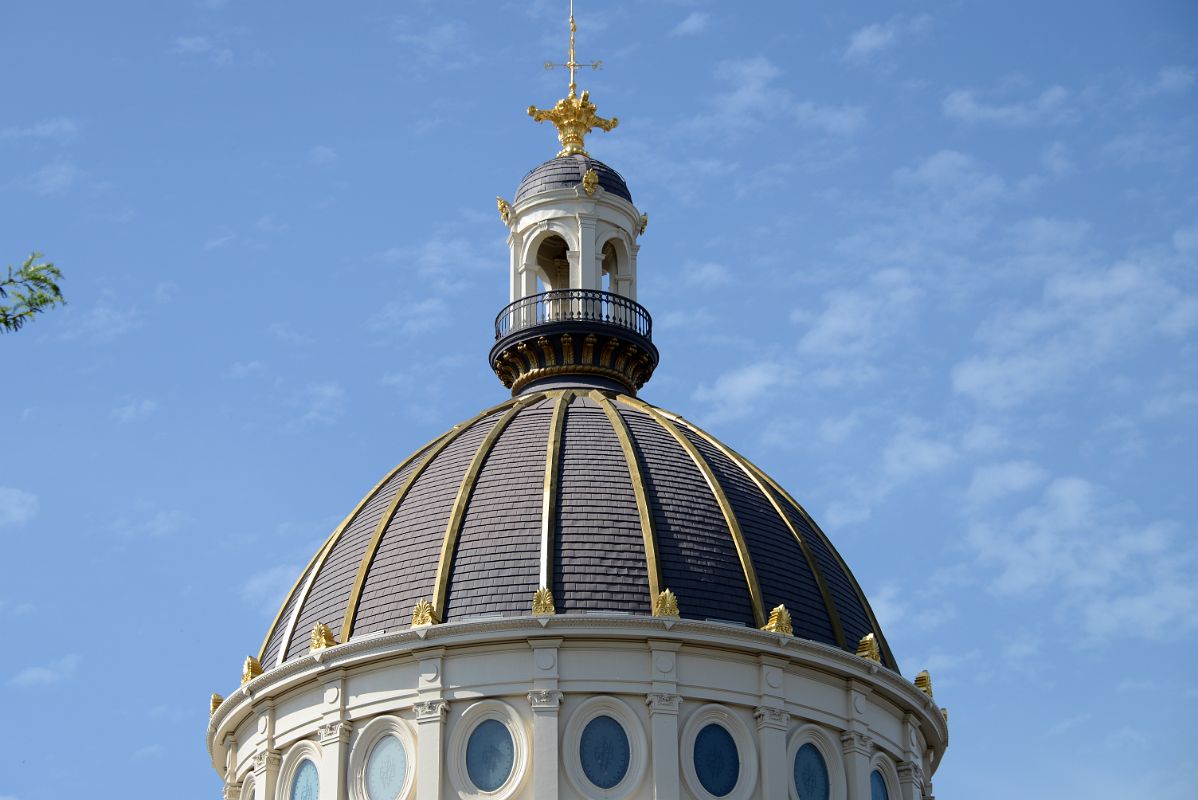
251,670
590,181
214,703
322,637
868,648
665,604
573,116
424,614
779,621
542,603
505,209
923,682
644,222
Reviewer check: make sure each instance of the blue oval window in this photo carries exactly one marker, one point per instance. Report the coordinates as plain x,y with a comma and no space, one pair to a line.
604,752
717,762
306,783
490,755
811,774
877,787
386,769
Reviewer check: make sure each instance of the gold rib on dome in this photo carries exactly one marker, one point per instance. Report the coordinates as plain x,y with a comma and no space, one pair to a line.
323,554
553,451
742,548
749,471
869,612
449,543
306,571
434,448
652,565
573,116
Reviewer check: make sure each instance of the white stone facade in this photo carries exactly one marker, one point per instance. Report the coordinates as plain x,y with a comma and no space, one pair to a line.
544,678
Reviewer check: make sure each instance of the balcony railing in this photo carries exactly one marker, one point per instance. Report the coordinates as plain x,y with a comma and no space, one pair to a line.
569,305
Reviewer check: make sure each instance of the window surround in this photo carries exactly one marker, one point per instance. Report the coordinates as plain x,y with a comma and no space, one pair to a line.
638,747
364,741
746,748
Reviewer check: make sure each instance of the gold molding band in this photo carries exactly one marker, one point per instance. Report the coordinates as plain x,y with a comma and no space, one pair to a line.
653,566
549,488
449,543
433,449
869,612
537,373
748,469
742,548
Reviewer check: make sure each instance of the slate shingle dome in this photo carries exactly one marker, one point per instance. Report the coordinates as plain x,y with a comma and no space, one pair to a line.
636,500
565,172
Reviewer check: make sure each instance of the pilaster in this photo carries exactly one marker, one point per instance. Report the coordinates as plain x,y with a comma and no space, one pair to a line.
664,702
431,709
334,753
232,791
910,781
266,774
545,700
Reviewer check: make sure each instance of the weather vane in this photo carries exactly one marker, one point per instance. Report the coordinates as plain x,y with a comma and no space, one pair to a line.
573,116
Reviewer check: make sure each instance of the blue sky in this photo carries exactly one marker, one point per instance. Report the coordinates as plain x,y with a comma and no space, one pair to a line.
934,268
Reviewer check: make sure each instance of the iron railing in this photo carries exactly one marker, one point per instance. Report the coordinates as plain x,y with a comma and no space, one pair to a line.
568,305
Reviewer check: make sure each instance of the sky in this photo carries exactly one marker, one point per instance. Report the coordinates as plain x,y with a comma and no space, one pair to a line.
933,267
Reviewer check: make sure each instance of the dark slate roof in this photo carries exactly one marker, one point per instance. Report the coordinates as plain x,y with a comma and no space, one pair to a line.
564,172
461,523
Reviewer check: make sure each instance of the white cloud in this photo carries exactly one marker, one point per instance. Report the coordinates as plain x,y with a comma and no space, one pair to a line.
1106,573
843,120
696,22
17,506
321,403
1171,80
202,46
734,394
218,241
444,263
61,129
266,591
1056,160
241,369
322,156
102,323
56,671
285,333
134,409
856,322
995,481
1049,106
408,318
706,275
872,40
434,45
148,751
52,179
911,454
157,525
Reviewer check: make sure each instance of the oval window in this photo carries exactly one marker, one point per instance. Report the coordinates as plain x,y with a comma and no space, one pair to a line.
811,774
490,755
306,783
877,787
604,752
717,762
386,769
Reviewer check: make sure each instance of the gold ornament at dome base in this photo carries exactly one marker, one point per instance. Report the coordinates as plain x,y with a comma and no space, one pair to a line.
505,210
644,222
665,604
923,682
424,614
590,182
542,603
214,703
252,669
322,637
868,648
779,621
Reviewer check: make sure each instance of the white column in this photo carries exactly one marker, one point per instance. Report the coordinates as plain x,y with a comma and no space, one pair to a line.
858,748
585,272
430,734
910,781
663,701
545,700
266,774
515,243
772,723
631,290
334,754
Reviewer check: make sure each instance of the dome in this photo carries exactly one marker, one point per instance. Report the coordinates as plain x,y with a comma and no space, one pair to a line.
565,172
636,501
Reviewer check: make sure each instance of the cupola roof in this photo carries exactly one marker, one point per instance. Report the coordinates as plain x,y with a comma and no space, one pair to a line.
567,172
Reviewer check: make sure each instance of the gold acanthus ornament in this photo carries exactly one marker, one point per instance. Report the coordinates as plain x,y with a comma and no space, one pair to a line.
665,604
214,703
644,222
542,603
424,614
779,621
590,182
322,637
251,669
923,682
868,648
505,210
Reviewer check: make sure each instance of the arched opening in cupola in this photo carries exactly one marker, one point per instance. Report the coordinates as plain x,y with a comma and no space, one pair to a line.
611,269
553,267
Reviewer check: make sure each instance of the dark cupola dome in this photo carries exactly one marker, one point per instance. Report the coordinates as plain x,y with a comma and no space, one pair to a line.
603,499
566,172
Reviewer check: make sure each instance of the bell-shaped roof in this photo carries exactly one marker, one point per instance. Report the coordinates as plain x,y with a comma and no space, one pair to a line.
599,497
565,172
